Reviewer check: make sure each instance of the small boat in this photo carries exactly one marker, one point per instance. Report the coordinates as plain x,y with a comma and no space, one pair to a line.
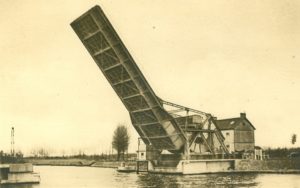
124,168
18,173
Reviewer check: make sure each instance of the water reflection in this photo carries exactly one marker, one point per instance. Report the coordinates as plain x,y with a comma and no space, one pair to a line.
211,180
87,177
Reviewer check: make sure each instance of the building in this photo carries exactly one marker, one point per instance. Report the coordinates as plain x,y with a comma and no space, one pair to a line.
141,152
238,133
258,153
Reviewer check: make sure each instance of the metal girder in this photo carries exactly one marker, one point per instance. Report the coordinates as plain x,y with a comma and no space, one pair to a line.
182,107
200,130
222,143
206,143
110,54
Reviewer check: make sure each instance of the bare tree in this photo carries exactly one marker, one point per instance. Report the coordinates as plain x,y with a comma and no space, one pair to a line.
42,152
294,139
39,152
121,140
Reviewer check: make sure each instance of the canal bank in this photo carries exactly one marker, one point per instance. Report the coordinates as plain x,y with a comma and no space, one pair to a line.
78,162
280,166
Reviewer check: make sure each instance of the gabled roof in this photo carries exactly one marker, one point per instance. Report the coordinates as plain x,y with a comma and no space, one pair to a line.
231,123
228,124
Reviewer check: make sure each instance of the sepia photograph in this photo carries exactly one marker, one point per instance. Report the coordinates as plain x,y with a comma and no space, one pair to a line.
140,93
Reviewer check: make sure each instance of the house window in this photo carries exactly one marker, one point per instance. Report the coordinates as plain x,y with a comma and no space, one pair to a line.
142,154
227,134
227,146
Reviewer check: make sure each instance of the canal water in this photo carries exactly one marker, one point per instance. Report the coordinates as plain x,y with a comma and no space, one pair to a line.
89,177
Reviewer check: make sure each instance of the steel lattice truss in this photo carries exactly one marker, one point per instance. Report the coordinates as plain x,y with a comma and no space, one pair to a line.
150,119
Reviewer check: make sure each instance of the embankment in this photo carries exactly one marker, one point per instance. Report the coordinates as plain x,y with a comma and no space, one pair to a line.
267,165
240,165
77,162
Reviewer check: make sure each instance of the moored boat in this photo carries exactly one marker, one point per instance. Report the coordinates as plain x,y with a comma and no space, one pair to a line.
124,168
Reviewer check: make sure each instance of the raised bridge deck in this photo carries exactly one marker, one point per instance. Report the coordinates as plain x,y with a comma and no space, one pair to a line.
150,119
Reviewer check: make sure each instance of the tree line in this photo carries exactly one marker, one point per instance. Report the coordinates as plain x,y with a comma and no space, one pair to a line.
283,152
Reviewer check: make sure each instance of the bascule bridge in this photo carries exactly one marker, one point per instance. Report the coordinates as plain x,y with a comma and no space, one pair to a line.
184,133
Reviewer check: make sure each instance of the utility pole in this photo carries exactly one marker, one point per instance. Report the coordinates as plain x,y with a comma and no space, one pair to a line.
12,142
187,147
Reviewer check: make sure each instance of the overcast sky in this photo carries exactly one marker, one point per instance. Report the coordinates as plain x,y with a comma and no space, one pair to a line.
221,57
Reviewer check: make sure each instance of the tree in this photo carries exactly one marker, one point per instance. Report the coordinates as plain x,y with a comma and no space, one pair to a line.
121,140
39,152
294,138
42,152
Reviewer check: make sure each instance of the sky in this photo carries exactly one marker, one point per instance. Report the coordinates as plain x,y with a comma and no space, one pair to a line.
222,57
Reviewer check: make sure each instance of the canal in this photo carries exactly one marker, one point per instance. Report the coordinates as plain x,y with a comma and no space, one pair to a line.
89,177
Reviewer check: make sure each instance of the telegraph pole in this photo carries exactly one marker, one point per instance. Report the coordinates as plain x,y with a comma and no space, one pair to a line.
12,142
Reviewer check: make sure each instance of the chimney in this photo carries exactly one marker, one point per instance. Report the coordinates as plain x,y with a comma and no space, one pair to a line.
215,118
243,115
